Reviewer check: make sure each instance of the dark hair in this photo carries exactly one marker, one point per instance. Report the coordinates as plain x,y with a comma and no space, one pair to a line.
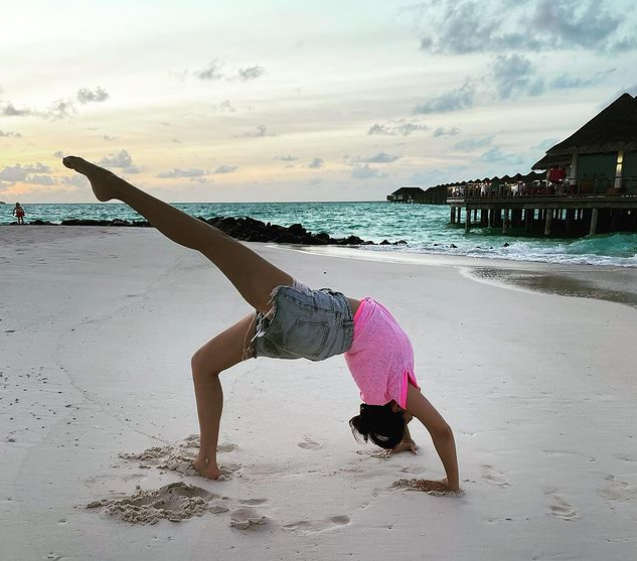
380,424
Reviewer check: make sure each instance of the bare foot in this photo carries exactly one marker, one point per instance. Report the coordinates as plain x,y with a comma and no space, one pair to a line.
103,182
206,469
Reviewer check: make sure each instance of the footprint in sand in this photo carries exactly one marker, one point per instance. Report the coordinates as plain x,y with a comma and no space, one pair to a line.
310,444
178,458
253,502
306,527
617,490
493,476
227,447
560,508
246,518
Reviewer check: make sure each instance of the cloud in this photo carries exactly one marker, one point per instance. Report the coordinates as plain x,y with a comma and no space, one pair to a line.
225,169
109,138
121,160
546,144
399,127
58,154
216,71
260,131
584,24
60,109
564,81
250,73
76,180
7,134
25,174
9,110
471,26
211,72
316,163
471,144
380,158
226,107
175,173
513,75
286,158
441,131
40,180
454,100
365,172
496,156
85,95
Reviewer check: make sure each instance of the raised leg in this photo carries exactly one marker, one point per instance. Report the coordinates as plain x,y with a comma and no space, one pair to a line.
252,276
219,354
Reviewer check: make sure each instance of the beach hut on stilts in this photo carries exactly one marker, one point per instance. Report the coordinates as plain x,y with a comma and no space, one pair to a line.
585,184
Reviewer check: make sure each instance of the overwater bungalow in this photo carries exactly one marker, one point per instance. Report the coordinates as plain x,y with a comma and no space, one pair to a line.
585,184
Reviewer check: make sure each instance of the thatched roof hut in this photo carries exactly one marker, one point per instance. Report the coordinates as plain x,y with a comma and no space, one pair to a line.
612,130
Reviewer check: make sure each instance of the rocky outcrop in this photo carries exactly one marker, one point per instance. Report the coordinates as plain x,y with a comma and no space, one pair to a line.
244,229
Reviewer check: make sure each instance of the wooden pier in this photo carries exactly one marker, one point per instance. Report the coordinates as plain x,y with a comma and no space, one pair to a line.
570,215
589,185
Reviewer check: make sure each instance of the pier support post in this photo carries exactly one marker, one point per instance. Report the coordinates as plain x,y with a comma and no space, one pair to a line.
548,222
528,219
453,214
505,224
570,216
467,222
594,216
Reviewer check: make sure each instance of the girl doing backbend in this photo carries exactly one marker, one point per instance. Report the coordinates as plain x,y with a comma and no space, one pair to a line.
293,321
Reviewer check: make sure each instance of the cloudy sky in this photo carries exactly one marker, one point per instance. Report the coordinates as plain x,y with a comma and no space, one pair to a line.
291,100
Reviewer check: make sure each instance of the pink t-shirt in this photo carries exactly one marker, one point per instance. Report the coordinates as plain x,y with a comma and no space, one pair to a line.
381,358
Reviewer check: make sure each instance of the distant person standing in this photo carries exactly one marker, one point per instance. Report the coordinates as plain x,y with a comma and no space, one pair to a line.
18,212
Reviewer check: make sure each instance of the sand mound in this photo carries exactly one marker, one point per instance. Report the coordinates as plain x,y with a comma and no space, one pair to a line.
174,502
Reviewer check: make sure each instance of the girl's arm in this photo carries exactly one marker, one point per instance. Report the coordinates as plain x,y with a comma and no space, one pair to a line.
440,432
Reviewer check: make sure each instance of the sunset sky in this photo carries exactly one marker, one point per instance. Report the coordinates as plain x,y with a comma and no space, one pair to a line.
282,100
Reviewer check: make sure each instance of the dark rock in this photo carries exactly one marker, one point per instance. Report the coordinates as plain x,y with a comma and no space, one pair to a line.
297,229
85,222
351,240
400,242
40,223
506,245
384,242
453,246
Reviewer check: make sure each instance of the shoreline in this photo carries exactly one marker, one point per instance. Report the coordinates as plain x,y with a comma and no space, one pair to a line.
600,282
609,283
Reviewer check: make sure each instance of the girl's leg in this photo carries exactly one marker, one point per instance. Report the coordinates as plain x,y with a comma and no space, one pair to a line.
252,276
219,354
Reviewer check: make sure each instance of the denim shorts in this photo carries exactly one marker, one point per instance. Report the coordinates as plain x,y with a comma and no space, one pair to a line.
304,323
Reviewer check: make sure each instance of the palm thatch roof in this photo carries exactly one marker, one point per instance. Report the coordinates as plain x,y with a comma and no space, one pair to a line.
613,129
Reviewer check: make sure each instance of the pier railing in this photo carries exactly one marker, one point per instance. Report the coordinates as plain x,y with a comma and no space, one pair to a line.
583,187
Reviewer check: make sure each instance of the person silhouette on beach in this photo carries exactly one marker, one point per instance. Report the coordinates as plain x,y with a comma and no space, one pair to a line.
293,321
18,212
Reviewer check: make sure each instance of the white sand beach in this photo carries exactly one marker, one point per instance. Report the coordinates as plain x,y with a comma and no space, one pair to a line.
97,327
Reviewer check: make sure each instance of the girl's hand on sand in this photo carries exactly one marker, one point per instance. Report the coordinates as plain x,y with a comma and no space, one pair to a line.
205,468
405,446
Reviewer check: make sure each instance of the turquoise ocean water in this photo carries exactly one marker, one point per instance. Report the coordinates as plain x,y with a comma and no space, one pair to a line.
425,228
